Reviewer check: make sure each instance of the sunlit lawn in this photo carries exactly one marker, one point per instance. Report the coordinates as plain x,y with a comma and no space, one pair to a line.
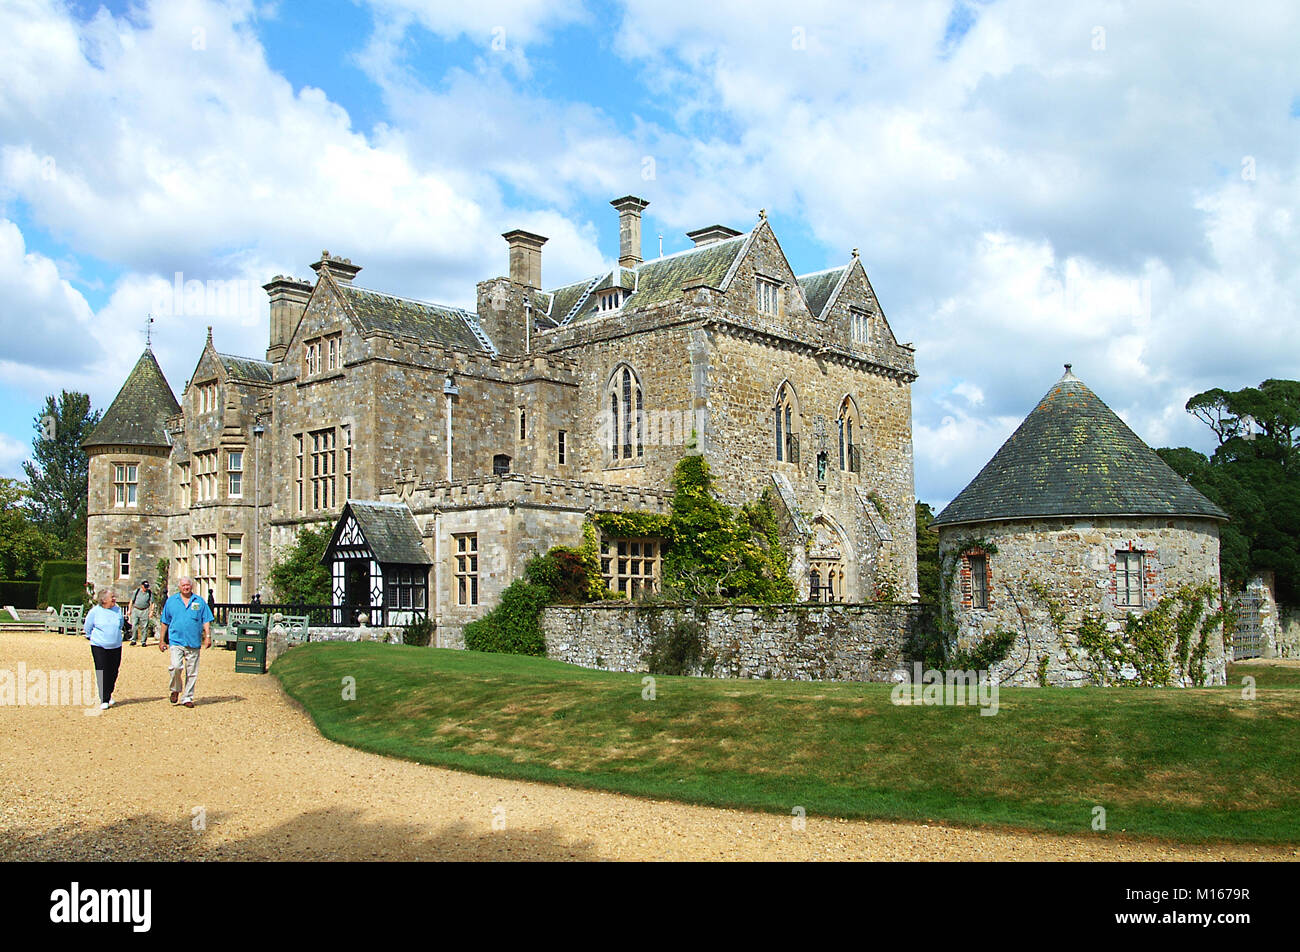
1186,764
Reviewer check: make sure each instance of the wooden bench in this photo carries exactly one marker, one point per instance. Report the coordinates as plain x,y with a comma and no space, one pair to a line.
226,634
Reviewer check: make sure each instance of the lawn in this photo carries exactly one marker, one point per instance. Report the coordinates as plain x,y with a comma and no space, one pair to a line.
1191,765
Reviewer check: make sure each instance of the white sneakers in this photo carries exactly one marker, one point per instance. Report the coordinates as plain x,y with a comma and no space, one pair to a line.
104,706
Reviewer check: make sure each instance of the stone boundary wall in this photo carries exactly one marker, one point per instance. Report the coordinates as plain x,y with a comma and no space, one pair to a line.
1288,633
789,642
276,644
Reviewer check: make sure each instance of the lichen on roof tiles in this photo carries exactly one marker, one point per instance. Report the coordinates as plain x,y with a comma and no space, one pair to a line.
1073,456
402,317
138,414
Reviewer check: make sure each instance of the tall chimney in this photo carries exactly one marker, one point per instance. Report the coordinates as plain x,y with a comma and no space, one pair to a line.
629,229
707,236
525,257
342,269
289,297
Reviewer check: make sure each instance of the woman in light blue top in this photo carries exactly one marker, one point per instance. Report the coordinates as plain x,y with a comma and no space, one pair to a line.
104,630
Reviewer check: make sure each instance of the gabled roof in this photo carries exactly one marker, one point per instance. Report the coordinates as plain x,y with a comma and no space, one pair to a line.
389,529
402,317
1072,456
656,281
248,369
138,414
819,286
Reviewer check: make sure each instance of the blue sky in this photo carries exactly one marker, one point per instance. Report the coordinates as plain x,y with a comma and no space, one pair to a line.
1112,184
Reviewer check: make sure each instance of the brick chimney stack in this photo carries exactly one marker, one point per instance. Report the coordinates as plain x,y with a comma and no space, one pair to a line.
525,257
629,229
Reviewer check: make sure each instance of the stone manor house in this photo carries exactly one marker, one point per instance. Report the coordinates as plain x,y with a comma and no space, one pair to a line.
446,447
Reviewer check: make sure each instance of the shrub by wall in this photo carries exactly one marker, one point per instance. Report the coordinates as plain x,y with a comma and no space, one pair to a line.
19,594
63,582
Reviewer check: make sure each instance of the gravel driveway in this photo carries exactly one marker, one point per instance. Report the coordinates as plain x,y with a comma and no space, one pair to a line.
245,775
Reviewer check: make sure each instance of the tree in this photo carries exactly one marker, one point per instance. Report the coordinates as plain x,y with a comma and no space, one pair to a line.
23,547
58,474
299,577
927,554
1254,476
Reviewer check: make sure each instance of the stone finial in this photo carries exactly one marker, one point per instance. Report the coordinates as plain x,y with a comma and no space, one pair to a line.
209,333
762,214
855,252
1068,371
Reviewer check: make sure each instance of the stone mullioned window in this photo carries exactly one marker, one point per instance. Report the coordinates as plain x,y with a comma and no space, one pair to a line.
126,484
466,568
631,566
205,476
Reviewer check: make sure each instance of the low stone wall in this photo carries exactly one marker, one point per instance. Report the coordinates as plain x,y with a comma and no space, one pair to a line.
1288,633
790,642
276,643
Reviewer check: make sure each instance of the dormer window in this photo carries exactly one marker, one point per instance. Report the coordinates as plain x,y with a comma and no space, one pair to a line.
768,295
207,397
612,299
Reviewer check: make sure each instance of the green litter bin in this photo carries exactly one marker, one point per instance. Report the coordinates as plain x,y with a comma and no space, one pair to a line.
250,649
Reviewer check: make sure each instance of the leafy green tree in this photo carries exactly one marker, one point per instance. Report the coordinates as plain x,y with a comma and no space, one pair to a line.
927,554
1254,476
58,475
23,547
299,577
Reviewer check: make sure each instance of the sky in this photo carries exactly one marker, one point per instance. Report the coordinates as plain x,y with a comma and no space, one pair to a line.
1111,184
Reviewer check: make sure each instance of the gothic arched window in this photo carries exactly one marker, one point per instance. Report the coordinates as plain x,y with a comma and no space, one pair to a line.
849,429
786,411
627,415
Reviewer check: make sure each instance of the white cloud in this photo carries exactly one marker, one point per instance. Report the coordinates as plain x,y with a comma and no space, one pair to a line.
12,454
44,321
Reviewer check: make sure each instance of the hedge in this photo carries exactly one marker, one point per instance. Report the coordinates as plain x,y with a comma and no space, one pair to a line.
63,582
19,594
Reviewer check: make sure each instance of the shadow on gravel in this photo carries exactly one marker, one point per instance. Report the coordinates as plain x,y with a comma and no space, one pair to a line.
320,835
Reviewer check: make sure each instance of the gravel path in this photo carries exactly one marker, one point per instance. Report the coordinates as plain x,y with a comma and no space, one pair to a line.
247,766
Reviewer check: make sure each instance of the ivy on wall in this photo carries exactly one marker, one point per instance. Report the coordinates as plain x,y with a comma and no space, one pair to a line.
711,554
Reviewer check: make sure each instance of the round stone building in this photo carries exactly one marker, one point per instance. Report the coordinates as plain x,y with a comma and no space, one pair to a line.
1075,519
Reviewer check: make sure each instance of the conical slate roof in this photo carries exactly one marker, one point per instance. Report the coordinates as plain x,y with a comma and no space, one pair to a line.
138,414
1074,457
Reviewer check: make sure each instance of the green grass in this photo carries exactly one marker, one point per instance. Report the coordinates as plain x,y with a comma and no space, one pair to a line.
1267,674
1191,765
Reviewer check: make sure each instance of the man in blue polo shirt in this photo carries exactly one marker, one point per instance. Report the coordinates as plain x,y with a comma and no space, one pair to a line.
185,625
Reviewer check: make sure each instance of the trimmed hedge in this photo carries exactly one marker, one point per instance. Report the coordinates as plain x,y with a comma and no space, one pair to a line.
19,594
63,582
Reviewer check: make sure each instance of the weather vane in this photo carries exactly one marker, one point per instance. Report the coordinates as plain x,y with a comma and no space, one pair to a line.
148,331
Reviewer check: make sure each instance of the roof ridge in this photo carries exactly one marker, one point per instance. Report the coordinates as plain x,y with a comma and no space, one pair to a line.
691,251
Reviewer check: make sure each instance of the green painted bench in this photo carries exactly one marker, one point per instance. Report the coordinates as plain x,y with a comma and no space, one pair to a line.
227,634
296,628
68,621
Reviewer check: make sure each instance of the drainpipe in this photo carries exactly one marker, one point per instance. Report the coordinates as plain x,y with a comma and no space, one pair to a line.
449,390
437,577
258,430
